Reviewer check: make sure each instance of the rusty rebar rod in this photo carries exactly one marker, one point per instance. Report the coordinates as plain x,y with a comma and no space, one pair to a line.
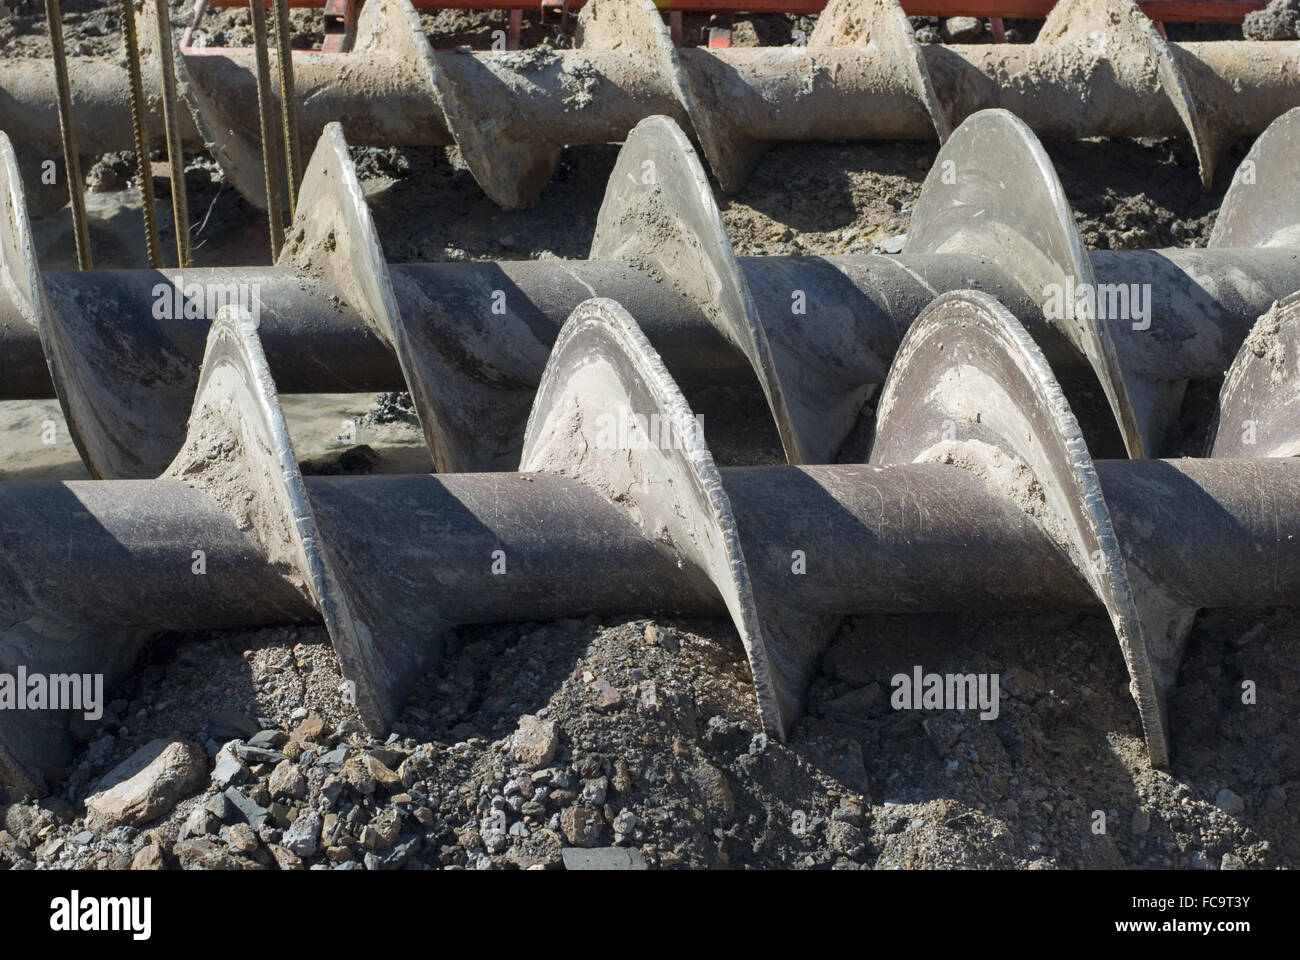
175,150
68,134
288,104
140,133
271,170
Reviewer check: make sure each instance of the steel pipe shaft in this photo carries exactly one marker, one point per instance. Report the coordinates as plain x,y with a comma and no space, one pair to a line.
1203,302
841,94
121,554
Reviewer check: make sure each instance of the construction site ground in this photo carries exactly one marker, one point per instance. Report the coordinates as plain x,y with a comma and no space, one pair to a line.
656,742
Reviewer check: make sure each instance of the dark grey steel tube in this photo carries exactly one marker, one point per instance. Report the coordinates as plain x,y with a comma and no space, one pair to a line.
1210,532
920,537
120,553
857,307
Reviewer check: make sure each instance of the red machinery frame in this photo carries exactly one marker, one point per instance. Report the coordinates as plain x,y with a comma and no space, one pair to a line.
1172,11
341,15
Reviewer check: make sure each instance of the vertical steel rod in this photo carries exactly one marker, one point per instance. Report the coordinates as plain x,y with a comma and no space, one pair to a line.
265,109
288,104
175,154
71,159
139,128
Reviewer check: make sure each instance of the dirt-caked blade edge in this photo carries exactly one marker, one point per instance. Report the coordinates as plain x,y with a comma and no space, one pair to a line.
1259,404
660,214
512,169
882,29
1262,205
1122,24
636,28
608,413
970,388
993,192
237,450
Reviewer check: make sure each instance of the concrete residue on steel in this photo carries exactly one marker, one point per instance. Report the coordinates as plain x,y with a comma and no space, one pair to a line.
968,374
1097,69
470,340
602,372
659,213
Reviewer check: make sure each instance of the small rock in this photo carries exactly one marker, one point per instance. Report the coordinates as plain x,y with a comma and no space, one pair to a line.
284,859
206,855
581,826
1232,862
277,813
50,848
358,776
850,768
251,754
493,833
268,739
251,813
390,757
394,858
541,849
147,784
1141,822
229,771
604,858
845,839
287,781
332,788
649,696
382,832
417,766
311,730
535,741
961,29
1229,802
383,774
625,825
849,811
303,836
892,245
716,789
148,857
605,694
199,823
334,758
241,838
594,791
220,808
669,640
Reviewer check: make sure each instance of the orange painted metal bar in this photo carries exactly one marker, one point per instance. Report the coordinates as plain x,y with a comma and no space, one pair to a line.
1173,11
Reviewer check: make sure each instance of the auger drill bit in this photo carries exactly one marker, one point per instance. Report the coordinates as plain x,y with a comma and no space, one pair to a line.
1098,68
122,348
980,494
